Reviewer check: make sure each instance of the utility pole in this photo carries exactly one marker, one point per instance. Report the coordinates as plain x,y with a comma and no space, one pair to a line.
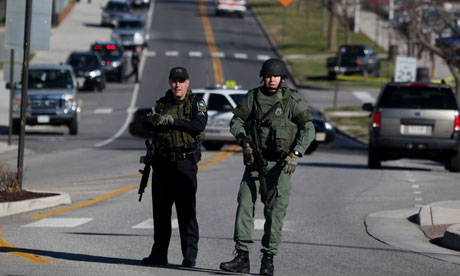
25,74
10,120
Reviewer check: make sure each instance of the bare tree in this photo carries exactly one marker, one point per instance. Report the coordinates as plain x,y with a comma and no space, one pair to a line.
332,33
430,21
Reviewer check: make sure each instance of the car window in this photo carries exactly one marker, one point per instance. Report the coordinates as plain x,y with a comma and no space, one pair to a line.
237,97
49,79
352,50
117,7
418,97
217,102
83,60
129,24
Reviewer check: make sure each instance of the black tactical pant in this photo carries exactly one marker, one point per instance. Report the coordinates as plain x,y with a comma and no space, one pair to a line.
175,182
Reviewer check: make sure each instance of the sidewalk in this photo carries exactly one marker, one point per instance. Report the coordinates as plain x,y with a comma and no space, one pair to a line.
77,32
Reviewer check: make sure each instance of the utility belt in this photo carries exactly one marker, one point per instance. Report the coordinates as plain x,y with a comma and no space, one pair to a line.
174,155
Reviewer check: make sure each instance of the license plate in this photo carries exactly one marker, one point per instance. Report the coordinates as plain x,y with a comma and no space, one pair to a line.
43,119
415,130
320,136
80,82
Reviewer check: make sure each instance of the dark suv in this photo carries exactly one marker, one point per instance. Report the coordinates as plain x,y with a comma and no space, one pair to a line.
88,69
415,120
112,57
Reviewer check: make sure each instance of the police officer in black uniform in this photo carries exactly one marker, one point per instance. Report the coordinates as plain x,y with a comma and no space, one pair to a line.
135,59
178,119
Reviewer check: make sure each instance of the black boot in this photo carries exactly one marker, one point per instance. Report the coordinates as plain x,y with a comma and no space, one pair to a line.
266,266
239,264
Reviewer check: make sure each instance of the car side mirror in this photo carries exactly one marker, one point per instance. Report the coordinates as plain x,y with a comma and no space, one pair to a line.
8,86
368,107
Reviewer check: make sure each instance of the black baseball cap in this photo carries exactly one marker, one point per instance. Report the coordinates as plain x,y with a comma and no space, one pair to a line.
178,72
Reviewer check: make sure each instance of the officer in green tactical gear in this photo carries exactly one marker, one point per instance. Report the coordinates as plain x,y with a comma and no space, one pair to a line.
178,120
285,132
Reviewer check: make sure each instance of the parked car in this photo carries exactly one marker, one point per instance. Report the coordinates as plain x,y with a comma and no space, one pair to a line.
130,32
51,98
113,11
415,120
140,3
88,69
113,58
230,7
220,102
354,59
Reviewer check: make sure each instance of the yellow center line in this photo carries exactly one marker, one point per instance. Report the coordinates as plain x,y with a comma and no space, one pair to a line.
216,63
231,150
31,257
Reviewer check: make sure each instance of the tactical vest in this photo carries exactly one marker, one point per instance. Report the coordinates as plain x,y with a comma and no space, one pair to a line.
168,137
278,136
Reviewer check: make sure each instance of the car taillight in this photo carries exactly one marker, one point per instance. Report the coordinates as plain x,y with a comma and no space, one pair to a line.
413,84
376,120
457,123
358,62
108,63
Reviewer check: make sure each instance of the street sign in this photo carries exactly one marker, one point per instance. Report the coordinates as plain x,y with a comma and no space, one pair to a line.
406,69
41,24
285,2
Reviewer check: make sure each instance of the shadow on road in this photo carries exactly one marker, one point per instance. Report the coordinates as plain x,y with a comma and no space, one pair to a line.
361,167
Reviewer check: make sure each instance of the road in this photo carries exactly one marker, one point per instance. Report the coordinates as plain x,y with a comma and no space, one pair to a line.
105,231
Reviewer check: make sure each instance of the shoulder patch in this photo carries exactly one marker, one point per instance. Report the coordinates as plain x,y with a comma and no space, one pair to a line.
201,107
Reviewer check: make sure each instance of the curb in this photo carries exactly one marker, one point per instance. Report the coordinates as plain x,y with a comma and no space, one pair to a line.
16,207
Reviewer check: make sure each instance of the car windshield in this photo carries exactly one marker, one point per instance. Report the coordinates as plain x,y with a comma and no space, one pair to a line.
111,6
418,97
107,51
49,79
83,60
237,97
352,50
129,24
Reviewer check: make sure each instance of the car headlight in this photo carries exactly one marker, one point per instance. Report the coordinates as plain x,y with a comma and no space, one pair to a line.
70,102
328,126
95,73
116,63
138,37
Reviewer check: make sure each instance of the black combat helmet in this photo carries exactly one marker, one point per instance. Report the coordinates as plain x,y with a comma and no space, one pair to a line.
273,67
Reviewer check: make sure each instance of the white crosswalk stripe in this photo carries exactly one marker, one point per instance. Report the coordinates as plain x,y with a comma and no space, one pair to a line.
218,54
240,55
172,53
148,224
364,96
59,222
259,224
195,54
106,110
262,57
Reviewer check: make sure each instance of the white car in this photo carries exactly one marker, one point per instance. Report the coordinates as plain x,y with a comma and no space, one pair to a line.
231,6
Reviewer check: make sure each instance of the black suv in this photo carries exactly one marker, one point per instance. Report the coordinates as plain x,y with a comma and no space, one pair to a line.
113,58
88,69
415,120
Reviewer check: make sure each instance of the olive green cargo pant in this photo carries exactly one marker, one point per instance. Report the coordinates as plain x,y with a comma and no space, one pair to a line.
279,187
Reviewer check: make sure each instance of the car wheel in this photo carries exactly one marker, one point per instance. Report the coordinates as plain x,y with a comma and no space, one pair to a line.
365,73
373,158
213,145
73,126
100,87
313,146
332,75
454,165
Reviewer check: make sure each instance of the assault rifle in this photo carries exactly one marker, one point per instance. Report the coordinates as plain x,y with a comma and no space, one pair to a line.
147,160
260,163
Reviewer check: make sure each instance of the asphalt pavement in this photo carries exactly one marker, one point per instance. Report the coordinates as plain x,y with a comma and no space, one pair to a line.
439,220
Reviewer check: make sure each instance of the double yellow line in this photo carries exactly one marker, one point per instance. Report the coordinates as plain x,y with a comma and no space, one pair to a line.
216,63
